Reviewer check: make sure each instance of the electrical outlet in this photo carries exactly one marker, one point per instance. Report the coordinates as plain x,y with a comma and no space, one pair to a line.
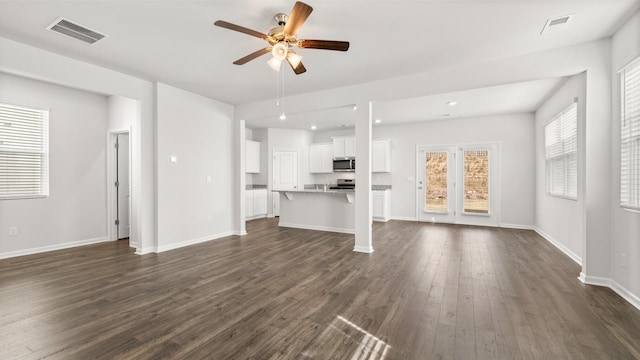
13,231
623,260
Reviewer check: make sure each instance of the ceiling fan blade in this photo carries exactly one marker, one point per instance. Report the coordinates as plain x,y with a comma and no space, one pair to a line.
242,29
324,45
300,69
252,56
297,17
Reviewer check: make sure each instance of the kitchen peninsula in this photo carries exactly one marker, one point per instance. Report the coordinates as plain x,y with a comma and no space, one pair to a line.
318,207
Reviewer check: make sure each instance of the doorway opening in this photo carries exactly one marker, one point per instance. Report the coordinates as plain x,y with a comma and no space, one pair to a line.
120,187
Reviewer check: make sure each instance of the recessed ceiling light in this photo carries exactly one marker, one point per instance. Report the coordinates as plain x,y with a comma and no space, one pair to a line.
283,116
354,107
313,127
452,103
378,121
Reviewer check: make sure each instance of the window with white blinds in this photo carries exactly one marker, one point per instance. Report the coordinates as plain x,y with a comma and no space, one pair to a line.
630,135
561,153
24,152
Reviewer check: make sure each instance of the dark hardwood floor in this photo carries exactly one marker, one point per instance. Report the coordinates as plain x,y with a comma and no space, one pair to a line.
427,292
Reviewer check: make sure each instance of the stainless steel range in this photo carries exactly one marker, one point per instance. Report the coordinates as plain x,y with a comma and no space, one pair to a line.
344,184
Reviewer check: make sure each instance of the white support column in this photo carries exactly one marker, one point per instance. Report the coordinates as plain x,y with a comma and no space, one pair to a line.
363,207
240,222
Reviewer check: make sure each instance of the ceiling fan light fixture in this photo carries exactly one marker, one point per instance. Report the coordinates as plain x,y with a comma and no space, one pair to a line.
279,51
275,64
294,59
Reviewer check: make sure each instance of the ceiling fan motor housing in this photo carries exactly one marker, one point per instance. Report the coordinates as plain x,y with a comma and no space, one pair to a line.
281,19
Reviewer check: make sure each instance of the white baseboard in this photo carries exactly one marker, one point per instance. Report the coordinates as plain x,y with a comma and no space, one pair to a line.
148,250
594,280
261,216
559,245
517,226
240,233
363,249
404,218
47,248
199,240
316,227
627,295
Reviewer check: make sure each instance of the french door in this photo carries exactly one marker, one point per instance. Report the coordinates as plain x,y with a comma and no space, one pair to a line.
458,184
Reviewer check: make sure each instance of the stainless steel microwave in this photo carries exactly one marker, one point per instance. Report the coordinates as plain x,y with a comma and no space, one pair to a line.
344,165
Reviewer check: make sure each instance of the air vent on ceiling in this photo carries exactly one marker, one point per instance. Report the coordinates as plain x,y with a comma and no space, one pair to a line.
69,28
557,23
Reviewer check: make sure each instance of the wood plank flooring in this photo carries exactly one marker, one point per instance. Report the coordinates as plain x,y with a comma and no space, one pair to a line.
429,291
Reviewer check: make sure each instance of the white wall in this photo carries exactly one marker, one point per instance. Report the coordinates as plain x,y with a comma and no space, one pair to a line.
123,113
288,139
514,133
565,231
75,211
625,225
34,63
199,132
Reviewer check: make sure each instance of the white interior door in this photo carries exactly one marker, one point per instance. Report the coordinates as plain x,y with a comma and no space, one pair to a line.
123,189
458,184
285,170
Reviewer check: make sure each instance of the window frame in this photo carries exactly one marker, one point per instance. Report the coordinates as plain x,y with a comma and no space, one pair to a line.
43,151
565,156
634,152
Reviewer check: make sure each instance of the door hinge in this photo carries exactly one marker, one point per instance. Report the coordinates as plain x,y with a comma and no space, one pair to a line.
117,222
117,184
116,145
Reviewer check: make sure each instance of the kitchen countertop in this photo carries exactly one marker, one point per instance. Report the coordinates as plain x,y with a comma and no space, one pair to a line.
338,191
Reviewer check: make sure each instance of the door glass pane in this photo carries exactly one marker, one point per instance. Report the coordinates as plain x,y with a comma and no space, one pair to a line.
476,181
436,181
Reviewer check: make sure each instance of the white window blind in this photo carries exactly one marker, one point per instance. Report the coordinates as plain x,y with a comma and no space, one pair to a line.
630,135
561,153
24,152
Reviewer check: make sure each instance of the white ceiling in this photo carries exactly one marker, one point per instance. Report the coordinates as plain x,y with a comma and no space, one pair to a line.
175,42
522,97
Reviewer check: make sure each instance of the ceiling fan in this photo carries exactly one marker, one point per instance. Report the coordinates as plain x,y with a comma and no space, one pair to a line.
282,39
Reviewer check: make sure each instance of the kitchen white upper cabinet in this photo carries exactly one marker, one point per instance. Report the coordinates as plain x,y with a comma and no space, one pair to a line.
381,156
252,157
381,205
321,158
344,147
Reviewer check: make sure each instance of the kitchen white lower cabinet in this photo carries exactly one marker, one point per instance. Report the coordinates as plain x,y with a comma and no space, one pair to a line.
381,203
255,202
